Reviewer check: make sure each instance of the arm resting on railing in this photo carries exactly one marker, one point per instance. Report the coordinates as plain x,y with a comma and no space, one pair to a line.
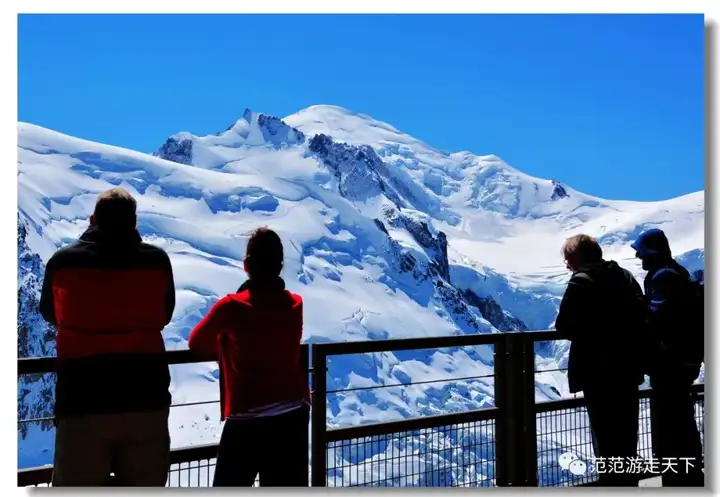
204,338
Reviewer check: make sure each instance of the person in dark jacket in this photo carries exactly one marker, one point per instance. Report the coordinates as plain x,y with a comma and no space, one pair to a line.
255,334
674,364
110,295
602,314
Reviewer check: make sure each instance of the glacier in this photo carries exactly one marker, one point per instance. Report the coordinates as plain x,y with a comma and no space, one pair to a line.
404,240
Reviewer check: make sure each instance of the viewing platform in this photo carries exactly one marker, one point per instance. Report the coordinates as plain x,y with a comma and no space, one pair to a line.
517,442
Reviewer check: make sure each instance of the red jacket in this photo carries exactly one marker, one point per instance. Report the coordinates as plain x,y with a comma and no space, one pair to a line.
255,335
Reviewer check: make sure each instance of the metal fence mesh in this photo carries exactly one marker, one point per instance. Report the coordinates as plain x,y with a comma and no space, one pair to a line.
191,474
700,420
194,474
568,430
459,455
558,432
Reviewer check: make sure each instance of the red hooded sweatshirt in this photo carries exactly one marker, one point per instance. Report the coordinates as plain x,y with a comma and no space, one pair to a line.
255,335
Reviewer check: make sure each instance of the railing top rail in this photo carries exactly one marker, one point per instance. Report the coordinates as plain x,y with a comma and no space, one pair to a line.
39,365
541,335
396,344
34,365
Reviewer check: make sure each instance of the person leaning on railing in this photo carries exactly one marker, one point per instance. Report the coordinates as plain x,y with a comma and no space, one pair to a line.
110,295
255,335
602,313
676,350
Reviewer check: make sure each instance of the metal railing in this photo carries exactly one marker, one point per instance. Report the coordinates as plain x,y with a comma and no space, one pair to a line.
563,426
514,441
192,466
189,467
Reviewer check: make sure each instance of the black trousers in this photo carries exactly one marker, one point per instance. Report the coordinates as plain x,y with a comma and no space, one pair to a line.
614,411
275,447
675,432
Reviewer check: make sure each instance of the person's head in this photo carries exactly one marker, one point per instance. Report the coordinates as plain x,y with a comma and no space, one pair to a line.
581,250
652,248
264,255
115,212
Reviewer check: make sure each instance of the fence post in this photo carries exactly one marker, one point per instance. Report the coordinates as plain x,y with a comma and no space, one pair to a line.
305,364
515,434
502,425
319,421
655,431
529,415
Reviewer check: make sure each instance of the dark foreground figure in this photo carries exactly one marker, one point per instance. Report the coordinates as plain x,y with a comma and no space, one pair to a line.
110,295
255,335
602,314
676,325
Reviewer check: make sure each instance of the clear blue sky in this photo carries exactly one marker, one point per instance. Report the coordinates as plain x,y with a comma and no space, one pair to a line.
611,105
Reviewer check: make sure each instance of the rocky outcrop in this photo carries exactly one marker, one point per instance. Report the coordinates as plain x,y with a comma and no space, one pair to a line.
559,191
491,310
355,168
175,150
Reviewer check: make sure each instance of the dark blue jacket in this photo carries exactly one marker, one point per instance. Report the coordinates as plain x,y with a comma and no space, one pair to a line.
667,292
670,311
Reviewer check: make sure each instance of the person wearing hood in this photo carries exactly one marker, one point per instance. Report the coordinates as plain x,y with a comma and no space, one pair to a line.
255,334
675,358
110,295
602,315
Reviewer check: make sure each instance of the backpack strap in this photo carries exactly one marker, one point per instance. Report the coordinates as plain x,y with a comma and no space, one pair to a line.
582,277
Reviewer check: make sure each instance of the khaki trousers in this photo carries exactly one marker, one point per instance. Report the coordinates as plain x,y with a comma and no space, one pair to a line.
134,446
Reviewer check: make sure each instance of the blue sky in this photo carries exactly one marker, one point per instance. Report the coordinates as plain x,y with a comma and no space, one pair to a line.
611,105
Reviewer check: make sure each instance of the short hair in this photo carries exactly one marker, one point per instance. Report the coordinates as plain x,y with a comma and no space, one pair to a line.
583,249
115,210
264,255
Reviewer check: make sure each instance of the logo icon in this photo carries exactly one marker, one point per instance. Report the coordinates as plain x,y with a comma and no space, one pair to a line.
571,462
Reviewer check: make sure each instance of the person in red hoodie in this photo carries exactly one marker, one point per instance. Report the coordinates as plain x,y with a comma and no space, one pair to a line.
255,335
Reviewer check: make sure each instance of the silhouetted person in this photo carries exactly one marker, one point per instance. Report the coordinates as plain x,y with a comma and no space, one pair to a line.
255,335
110,295
675,325
602,314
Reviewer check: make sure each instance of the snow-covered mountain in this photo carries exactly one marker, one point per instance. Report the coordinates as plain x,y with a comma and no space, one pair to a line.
403,240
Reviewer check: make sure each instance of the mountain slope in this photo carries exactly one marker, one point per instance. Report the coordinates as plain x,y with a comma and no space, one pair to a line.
385,237
36,338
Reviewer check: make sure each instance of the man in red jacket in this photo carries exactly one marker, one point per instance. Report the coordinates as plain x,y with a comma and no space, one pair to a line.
110,295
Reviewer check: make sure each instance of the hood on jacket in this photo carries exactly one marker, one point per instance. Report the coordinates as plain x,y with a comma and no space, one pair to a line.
652,242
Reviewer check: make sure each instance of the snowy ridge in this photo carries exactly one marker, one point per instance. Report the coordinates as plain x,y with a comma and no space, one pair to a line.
402,239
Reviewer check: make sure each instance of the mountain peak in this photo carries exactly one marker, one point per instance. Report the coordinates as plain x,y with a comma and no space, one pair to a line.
253,129
328,109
